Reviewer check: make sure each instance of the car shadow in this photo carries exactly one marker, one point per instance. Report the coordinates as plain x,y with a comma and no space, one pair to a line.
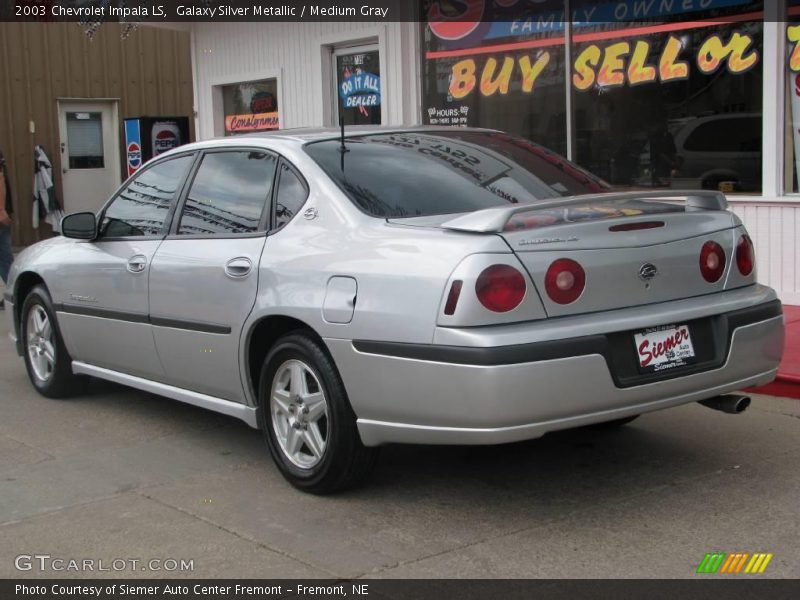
572,465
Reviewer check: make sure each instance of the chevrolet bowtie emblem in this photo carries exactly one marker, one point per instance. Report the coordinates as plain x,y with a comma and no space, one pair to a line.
647,271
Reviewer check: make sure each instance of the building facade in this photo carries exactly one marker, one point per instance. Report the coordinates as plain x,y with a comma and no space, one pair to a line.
70,95
691,94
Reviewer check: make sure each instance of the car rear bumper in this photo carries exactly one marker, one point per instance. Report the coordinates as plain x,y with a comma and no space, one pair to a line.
488,395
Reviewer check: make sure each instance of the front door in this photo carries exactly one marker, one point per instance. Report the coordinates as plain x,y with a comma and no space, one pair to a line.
204,276
90,163
105,312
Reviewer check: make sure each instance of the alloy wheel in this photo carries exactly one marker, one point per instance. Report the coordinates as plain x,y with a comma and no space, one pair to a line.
41,346
299,414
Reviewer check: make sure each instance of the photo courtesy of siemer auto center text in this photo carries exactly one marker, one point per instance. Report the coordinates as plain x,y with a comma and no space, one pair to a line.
399,299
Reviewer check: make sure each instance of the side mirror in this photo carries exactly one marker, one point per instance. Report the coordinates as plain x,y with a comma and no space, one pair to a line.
80,226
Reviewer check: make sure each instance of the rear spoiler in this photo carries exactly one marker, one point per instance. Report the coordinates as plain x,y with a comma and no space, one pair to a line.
493,220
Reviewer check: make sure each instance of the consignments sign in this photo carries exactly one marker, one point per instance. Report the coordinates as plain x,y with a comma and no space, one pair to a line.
251,122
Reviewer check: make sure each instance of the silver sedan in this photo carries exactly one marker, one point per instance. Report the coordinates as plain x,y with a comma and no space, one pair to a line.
417,285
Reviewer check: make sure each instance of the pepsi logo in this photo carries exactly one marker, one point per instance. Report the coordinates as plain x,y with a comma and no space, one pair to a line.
165,140
134,155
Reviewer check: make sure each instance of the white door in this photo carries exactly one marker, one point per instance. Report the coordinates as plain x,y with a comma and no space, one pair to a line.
90,164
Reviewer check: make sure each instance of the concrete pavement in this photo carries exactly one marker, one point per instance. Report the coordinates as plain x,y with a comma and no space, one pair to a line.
119,474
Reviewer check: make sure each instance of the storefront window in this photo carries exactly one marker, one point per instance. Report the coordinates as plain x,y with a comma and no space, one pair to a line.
671,103
663,94
502,75
792,134
358,86
250,106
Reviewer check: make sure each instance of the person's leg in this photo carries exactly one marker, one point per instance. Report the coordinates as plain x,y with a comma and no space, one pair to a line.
6,257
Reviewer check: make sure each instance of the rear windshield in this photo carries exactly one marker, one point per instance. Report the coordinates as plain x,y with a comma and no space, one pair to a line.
417,174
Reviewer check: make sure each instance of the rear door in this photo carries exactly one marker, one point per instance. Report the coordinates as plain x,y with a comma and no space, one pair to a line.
204,276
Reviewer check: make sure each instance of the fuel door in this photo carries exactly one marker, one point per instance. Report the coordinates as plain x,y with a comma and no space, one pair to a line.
340,300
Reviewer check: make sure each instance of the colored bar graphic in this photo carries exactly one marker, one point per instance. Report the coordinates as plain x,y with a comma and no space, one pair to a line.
732,564
758,563
711,562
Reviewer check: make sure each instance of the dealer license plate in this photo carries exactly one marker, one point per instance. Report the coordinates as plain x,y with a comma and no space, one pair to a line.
663,348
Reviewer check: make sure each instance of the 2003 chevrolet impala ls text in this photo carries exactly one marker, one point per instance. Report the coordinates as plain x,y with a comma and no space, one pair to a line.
419,285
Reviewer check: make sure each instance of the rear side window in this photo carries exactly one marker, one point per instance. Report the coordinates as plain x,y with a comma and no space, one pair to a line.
426,173
141,208
290,197
229,193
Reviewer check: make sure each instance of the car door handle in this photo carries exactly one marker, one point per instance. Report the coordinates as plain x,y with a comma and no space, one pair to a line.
137,264
238,267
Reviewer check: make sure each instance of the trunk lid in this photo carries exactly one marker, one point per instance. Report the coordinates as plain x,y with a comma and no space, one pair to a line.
635,248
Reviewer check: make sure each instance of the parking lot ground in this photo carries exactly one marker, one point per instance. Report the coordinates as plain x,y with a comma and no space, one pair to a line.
120,474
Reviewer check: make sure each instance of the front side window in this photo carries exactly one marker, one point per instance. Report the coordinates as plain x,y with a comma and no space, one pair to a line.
290,197
141,208
228,194
424,173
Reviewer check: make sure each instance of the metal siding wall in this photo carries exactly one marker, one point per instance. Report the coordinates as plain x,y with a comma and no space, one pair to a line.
150,73
231,50
774,228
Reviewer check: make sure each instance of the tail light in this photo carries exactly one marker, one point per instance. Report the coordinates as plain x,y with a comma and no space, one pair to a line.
500,288
564,281
745,255
712,261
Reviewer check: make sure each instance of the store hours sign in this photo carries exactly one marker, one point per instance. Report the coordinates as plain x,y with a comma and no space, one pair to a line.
360,89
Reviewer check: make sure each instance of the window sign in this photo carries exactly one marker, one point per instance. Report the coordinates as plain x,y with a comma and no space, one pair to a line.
251,106
663,94
358,83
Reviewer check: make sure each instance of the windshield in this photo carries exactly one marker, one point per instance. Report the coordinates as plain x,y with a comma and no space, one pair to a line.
416,174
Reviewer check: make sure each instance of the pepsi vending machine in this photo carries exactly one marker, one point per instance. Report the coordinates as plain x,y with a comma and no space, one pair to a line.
146,137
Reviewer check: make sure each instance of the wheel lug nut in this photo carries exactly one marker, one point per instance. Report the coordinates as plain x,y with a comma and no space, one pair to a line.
305,410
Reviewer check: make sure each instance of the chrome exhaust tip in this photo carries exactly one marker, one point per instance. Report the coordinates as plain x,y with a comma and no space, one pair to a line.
733,404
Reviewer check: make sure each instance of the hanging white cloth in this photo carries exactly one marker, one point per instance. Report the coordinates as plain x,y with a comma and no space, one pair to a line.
45,202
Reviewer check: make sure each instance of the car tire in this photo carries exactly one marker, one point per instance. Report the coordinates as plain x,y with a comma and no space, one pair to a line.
306,418
615,423
47,361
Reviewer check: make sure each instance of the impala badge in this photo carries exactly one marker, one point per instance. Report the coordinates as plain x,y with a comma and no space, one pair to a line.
647,271
310,213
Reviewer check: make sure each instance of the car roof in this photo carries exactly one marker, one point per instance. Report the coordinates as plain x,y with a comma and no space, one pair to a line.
305,135
313,134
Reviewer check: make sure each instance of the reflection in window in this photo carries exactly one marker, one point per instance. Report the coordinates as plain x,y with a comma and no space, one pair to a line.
645,79
444,172
228,194
290,198
671,109
141,208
